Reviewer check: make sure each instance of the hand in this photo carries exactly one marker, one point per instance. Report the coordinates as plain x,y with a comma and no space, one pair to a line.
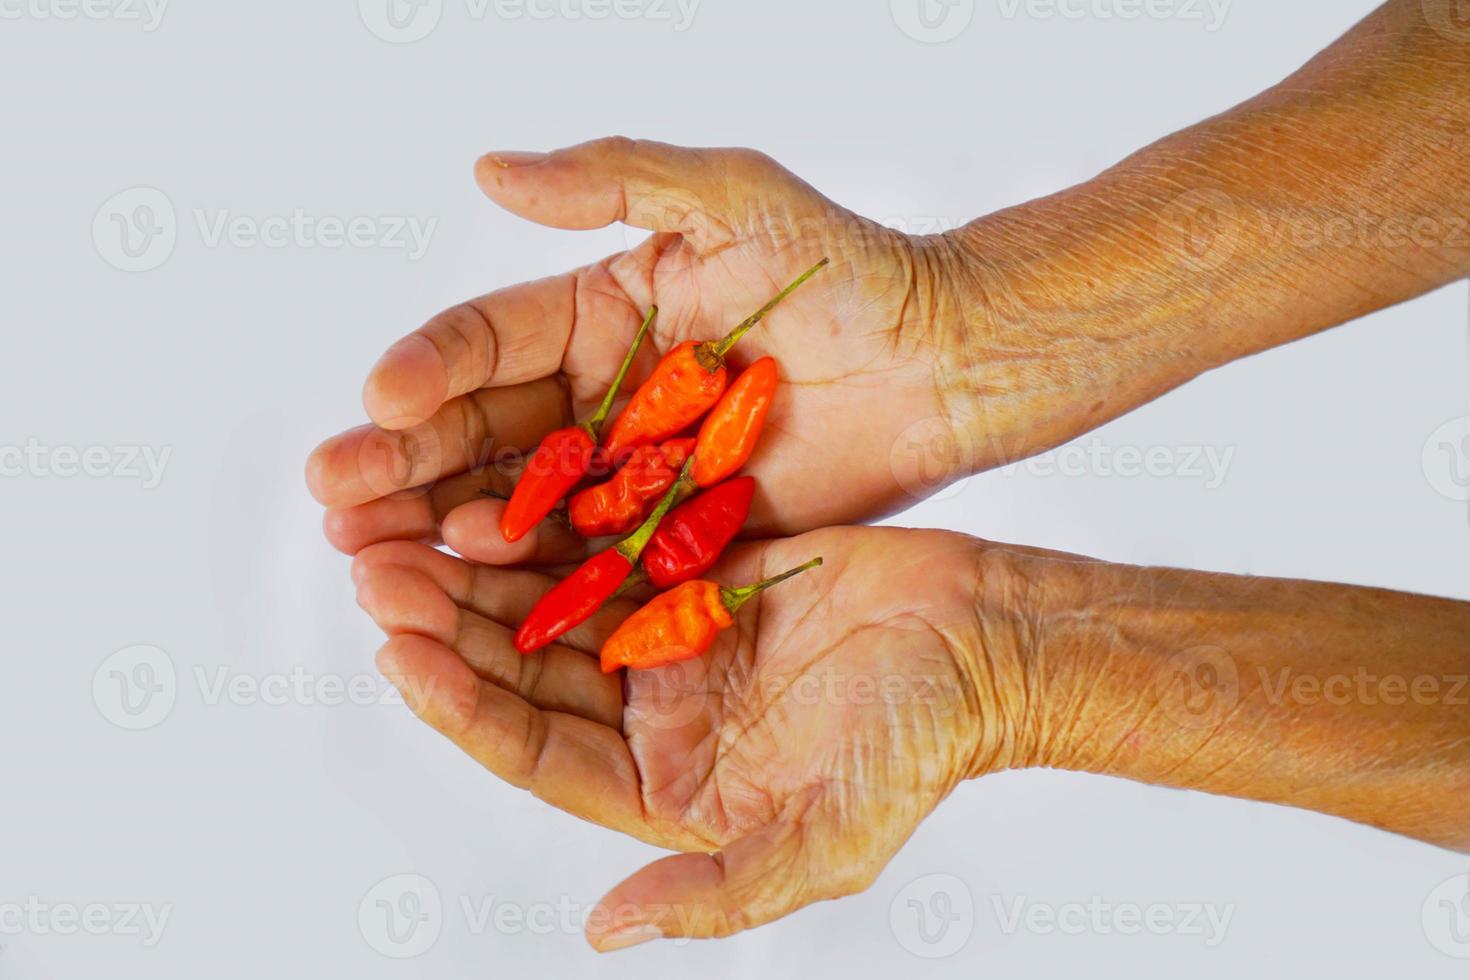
872,381
804,748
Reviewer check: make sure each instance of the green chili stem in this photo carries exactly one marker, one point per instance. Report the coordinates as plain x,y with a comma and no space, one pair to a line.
716,351
735,598
594,424
632,546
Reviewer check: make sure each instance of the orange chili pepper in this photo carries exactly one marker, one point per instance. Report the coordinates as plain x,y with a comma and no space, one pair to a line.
573,600
682,623
620,504
686,383
562,459
730,432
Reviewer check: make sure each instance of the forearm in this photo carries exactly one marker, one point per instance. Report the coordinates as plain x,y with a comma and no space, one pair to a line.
1340,699
1342,190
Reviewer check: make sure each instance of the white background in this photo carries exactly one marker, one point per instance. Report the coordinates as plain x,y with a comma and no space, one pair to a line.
265,827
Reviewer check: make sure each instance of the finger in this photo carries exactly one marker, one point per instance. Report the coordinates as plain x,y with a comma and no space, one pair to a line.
405,600
704,194
503,595
495,426
574,764
752,881
473,530
408,517
509,337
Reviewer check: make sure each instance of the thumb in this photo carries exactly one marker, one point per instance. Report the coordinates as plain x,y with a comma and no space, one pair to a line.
754,880
707,195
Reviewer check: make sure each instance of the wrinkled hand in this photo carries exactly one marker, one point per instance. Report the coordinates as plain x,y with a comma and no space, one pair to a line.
790,763
867,378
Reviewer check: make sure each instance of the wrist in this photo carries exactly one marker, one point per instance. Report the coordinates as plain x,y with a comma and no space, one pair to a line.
1089,672
1054,324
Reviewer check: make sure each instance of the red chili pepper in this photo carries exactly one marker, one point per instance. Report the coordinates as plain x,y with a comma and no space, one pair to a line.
730,432
563,458
694,535
686,383
573,600
621,504
681,624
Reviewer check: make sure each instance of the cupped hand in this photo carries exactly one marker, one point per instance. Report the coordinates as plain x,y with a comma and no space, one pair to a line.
788,764
869,373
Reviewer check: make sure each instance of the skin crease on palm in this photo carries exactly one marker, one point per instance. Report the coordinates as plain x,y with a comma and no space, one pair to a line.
818,732
908,363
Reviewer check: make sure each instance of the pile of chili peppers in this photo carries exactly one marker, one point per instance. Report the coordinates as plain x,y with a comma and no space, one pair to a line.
671,539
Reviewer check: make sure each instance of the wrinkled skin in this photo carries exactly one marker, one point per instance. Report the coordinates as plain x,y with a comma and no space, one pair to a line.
804,749
873,412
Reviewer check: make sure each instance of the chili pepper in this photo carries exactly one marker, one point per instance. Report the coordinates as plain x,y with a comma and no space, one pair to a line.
685,384
681,624
621,504
562,459
730,432
573,600
694,535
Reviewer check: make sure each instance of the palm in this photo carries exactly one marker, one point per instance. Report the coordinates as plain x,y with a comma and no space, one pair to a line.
857,373
809,691
846,714
856,425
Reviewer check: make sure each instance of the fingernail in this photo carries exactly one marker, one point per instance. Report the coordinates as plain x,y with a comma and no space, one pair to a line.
628,936
507,159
